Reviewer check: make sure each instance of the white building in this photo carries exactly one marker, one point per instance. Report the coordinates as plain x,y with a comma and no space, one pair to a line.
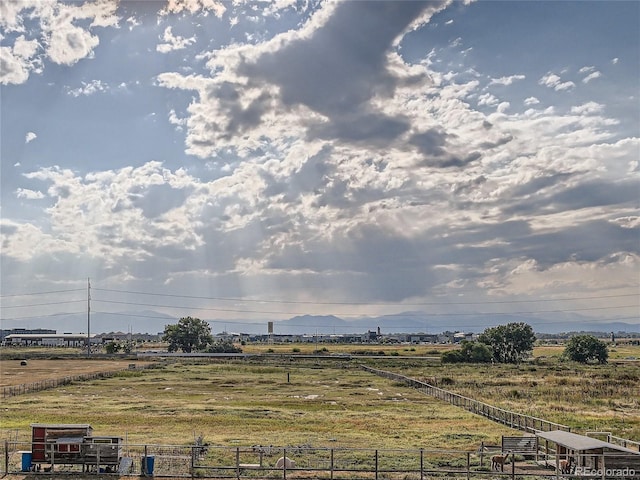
50,339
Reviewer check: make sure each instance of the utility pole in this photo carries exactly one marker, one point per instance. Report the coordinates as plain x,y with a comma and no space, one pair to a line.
88,317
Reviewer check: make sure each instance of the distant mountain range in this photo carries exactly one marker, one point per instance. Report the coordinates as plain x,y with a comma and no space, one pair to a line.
406,322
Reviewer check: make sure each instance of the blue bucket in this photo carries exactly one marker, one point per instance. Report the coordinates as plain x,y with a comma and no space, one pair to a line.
27,457
149,462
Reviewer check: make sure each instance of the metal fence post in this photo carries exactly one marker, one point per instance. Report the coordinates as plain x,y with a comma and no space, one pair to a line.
331,464
422,464
6,457
376,464
284,464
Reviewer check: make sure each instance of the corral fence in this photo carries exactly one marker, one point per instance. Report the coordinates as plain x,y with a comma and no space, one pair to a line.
515,420
610,438
15,390
264,462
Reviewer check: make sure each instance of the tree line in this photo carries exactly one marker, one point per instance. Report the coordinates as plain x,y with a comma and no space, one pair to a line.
510,343
513,343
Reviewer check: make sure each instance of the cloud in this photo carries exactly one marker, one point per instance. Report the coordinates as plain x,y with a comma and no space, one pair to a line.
323,73
29,194
552,80
531,101
588,108
506,80
18,61
591,76
29,137
173,42
217,7
89,88
56,34
615,61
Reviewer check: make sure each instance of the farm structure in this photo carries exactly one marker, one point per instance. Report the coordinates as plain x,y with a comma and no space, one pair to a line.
584,454
73,444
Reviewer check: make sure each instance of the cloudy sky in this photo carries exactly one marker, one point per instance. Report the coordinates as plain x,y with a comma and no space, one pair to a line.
233,158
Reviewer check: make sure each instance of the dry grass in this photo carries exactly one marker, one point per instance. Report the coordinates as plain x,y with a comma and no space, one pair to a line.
12,373
240,404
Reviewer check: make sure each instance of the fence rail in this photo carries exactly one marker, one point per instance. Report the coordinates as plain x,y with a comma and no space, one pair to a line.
15,390
518,421
256,462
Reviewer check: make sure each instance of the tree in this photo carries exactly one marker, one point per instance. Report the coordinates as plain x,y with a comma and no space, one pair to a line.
470,352
189,335
223,346
511,343
586,348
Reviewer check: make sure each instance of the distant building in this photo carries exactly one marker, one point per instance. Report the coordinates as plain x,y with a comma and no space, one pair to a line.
49,339
23,331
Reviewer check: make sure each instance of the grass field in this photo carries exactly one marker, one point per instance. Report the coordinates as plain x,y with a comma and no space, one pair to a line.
242,404
328,403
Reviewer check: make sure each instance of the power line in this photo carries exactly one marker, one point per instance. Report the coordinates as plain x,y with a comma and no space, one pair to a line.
233,310
43,316
301,302
40,304
41,293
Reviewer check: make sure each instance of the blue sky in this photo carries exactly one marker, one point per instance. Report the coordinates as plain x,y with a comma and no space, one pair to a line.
350,158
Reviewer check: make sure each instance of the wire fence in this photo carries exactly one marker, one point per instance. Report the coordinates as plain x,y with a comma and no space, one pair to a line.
515,420
260,462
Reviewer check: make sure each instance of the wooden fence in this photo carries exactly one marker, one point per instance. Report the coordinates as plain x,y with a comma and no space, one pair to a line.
514,420
14,390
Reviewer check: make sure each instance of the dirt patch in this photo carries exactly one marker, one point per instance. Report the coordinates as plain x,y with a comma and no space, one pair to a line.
13,373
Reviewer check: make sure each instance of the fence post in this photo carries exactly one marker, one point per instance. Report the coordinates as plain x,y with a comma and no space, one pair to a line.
331,465
6,457
284,464
193,461
513,466
376,464
422,464
468,465
237,462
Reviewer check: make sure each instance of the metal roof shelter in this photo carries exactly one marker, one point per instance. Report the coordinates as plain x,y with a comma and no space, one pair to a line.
590,454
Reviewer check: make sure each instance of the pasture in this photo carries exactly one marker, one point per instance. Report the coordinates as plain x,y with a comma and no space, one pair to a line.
246,404
288,401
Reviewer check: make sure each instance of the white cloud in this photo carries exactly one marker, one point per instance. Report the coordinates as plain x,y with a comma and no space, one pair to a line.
29,194
217,7
588,108
615,61
587,69
56,36
487,99
18,61
506,80
88,88
503,107
531,101
591,76
29,137
173,42
552,80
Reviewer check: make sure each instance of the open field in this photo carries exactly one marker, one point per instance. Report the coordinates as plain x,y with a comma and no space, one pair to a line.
36,370
328,403
584,397
240,404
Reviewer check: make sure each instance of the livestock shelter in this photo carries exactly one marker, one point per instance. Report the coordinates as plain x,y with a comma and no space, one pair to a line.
589,454
73,444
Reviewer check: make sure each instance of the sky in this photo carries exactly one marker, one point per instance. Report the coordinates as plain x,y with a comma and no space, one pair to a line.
242,159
